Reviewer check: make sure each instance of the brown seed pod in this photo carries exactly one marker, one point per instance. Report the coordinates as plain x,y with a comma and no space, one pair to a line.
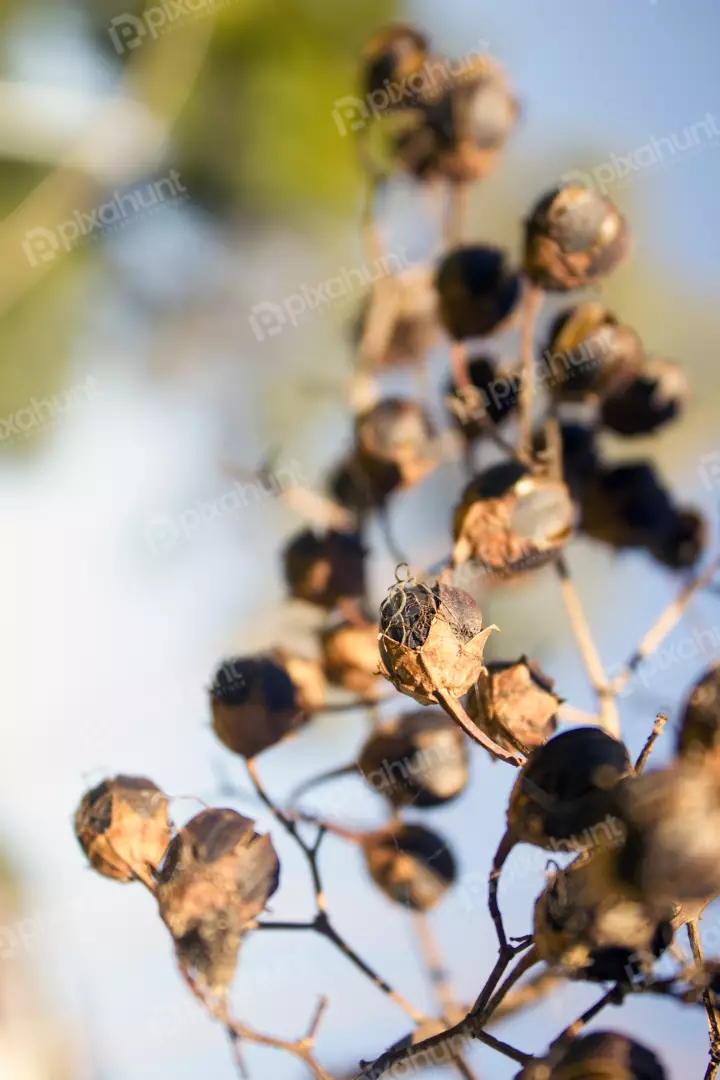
431,640
655,396
509,521
217,878
584,928
396,433
350,656
603,1055
398,324
421,760
700,725
590,352
258,701
462,124
515,705
392,55
573,238
628,506
411,865
672,852
565,796
325,569
478,293
491,396
123,828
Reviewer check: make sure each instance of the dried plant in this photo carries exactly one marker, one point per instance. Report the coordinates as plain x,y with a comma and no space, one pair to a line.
644,846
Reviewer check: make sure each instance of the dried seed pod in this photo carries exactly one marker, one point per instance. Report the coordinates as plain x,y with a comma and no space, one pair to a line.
515,705
256,702
478,292
217,877
628,506
700,725
392,55
582,927
491,396
431,640
350,656
362,485
653,398
508,520
672,852
412,865
565,796
589,351
398,324
421,760
573,238
325,569
123,828
396,432
462,124
603,1055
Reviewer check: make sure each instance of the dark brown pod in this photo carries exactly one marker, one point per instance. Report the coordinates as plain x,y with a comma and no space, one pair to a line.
258,701
421,760
478,292
492,395
653,398
603,1055
363,485
463,123
431,639
589,351
350,656
509,521
392,55
672,817
699,730
565,796
123,828
573,238
514,703
398,324
588,931
217,877
325,569
411,865
628,506
396,432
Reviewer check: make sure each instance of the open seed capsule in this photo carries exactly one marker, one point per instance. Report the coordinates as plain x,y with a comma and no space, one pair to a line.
217,877
431,639
515,705
123,828
651,399
412,865
603,1055
350,656
589,351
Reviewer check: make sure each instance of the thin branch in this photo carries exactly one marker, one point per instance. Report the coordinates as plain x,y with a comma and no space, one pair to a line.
322,924
531,304
664,624
524,997
712,1014
609,717
658,727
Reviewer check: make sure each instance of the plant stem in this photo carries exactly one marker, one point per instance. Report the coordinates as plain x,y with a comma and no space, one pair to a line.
454,709
712,1015
531,304
660,722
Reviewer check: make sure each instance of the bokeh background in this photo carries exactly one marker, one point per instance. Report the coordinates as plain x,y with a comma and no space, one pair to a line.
125,577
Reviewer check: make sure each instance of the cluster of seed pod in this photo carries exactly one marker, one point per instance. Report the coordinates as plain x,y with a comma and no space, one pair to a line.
211,878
